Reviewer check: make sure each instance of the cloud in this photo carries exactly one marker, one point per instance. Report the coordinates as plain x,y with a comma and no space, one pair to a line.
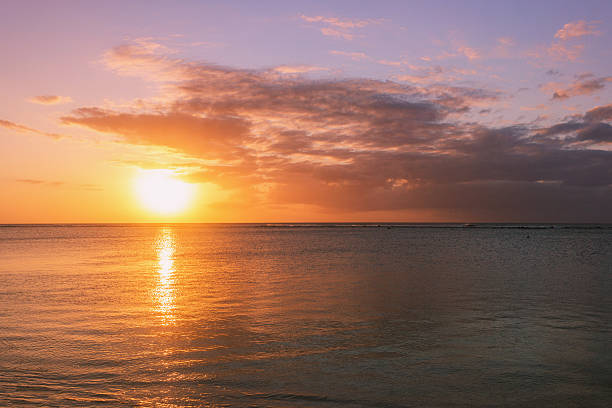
577,29
26,129
539,107
15,126
361,145
51,183
583,85
599,114
506,41
596,133
469,53
590,128
565,47
338,27
219,137
145,61
504,48
563,52
459,50
40,182
332,32
298,69
430,74
390,63
50,99
339,23
356,56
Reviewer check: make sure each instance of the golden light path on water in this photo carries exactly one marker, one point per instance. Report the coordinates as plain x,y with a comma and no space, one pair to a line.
164,291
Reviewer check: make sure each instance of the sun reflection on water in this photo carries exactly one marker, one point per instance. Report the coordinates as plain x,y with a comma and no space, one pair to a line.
164,291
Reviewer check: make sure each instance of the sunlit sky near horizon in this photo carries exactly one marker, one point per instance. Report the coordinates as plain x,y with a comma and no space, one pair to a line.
417,111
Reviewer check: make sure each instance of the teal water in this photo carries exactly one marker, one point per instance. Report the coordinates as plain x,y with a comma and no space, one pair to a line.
306,315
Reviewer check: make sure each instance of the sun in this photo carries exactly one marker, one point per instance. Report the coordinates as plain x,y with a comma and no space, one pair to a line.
160,192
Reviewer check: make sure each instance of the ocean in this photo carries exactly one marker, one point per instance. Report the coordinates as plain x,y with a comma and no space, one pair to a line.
306,315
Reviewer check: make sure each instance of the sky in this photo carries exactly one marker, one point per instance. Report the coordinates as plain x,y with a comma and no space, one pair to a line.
275,111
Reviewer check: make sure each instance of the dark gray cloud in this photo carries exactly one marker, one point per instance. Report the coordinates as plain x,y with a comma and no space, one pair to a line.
599,114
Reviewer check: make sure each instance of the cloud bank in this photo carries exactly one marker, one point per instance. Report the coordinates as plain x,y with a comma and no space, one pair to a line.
361,145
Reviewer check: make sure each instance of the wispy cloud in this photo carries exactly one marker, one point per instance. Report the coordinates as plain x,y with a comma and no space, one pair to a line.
50,99
506,41
539,107
505,47
577,29
332,32
16,126
564,49
26,129
53,183
40,182
298,69
339,27
352,55
456,51
345,23
389,63
564,52
469,53
437,73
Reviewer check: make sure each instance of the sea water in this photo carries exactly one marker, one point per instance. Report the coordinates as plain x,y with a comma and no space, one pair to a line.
306,315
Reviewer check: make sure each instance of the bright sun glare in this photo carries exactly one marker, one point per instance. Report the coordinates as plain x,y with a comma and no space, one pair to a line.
160,192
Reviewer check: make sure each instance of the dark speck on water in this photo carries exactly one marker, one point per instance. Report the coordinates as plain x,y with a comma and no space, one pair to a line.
306,315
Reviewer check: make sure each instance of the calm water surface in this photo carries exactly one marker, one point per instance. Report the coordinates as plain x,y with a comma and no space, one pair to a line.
318,316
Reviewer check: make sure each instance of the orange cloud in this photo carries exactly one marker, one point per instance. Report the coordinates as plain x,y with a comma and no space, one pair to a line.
209,138
298,69
25,129
15,126
50,99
